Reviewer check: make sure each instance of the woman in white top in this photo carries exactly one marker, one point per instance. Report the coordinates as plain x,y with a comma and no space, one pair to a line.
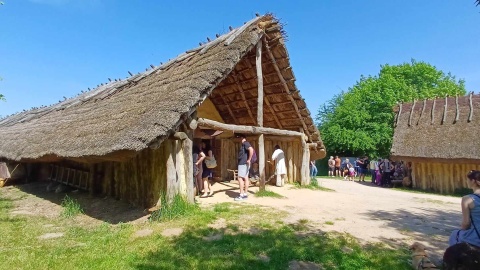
280,169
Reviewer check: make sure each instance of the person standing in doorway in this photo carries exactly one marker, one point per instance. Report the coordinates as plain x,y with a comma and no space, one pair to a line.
245,154
206,172
331,167
278,157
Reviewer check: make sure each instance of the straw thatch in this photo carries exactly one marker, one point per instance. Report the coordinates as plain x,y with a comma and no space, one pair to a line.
118,119
440,129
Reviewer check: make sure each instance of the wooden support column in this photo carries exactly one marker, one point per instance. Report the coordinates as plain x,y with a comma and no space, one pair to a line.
261,139
171,171
187,152
304,170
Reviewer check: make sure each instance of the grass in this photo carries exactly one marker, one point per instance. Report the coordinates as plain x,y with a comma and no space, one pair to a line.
250,233
268,193
314,185
329,222
71,207
176,208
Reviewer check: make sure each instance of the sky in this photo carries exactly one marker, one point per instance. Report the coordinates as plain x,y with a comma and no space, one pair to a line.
51,49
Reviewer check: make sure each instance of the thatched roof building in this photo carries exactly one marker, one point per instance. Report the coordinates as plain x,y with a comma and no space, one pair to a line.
117,121
120,118
439,137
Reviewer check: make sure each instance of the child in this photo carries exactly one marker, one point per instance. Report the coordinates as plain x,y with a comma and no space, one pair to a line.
351,172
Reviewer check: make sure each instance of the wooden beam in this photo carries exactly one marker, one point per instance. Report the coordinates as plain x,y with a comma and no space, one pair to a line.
280,76
242,94
247,129
251,80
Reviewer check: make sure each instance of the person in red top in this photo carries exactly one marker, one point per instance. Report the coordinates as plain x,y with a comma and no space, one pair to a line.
337,166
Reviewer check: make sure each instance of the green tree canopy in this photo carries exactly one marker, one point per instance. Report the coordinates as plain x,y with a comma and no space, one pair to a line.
360,120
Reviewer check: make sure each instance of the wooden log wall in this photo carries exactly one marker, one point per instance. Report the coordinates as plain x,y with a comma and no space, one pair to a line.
141,180
293,157
443,178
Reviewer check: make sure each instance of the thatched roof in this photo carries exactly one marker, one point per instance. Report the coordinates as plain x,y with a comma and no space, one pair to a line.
120,118
450,132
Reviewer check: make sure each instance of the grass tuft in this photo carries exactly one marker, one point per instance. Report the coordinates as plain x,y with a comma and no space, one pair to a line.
71,207
329,222
314,185
268,193
221,207
178,207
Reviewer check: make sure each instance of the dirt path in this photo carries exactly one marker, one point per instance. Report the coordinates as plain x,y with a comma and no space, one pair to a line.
365,211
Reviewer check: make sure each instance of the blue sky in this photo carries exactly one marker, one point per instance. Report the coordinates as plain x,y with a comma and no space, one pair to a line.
55,48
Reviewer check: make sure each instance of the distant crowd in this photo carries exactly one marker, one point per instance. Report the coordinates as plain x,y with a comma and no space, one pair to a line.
381,171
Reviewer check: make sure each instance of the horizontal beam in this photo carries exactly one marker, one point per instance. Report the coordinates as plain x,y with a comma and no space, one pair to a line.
247,129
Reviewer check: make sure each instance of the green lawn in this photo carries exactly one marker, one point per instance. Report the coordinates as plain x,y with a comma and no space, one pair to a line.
227,236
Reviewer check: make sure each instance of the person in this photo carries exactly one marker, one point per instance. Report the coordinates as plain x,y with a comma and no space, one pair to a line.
356,164
244,157
386,167
469,231
280,168
364,162
338,161
346,169
313,169
197,171
206,172
371,167
254,172
331,167
378,172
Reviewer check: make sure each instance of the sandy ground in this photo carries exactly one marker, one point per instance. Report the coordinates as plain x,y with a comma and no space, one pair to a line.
368,212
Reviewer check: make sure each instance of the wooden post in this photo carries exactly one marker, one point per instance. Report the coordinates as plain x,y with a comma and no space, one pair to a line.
304,170
261,139
171,172
187,153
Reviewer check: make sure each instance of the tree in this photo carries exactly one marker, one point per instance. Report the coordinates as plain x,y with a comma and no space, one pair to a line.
360,121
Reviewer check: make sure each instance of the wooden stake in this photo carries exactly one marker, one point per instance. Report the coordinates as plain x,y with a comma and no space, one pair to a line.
187,152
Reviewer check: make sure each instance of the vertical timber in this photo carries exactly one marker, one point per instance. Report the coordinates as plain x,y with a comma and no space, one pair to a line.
261,139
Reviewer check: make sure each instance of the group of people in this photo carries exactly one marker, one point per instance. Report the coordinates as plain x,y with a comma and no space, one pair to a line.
247,167
347,169
381,171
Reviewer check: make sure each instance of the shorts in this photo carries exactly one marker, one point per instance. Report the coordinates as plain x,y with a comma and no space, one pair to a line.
331,168
337,167
243,170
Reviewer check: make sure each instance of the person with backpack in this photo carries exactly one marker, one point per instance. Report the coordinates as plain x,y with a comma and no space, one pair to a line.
245,156
278,157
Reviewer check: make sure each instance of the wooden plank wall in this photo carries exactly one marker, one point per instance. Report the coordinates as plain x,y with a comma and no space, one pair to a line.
443,178
141,180
293,157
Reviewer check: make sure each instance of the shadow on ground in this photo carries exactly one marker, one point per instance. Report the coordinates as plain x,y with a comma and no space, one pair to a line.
106,209
272,248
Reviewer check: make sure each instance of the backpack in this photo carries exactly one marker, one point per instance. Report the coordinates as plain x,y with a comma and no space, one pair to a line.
254,155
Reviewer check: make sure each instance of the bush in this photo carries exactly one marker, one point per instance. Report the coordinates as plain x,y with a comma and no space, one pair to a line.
71,207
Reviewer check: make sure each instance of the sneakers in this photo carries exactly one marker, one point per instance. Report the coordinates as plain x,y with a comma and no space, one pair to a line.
241,197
